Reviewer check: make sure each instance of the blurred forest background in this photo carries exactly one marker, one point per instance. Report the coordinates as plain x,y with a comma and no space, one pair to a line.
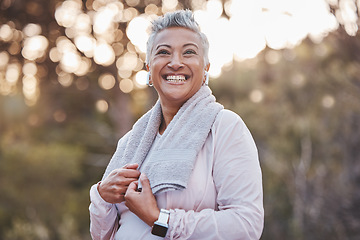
63,107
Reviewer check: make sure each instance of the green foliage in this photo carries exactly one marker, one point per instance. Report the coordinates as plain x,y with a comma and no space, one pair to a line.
36,182
304,113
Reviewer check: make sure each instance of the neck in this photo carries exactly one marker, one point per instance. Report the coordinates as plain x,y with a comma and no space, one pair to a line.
168,112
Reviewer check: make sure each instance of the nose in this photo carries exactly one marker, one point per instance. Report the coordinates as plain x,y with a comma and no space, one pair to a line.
176,62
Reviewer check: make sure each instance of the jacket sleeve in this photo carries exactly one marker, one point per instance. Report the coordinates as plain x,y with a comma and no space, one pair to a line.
238,181
104,220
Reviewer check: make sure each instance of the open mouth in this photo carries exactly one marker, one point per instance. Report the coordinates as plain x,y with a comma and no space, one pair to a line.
176,78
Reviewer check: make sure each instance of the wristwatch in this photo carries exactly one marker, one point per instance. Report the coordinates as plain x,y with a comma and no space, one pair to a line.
161,225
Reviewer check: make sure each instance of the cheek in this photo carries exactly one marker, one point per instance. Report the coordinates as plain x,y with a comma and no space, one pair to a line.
198,69
154,69
195,63
156,65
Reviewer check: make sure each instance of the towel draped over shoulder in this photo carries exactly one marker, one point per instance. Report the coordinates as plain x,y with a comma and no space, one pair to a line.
171,161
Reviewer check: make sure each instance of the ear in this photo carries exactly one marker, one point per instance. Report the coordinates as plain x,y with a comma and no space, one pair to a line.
148,76
206,69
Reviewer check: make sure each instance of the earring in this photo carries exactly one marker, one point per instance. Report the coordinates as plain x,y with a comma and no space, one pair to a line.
206,78
148,80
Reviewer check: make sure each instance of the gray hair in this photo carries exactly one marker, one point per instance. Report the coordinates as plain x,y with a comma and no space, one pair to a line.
180,18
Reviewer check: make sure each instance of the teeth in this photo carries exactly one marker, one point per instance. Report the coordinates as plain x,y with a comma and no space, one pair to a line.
175,78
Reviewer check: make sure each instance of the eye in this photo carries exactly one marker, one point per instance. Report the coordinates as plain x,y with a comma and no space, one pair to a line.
190,52
162,52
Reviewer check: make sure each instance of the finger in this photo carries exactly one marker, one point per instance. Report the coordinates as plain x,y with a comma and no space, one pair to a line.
131,189
145,183
133,186
127,181
131,166
126,172
129,173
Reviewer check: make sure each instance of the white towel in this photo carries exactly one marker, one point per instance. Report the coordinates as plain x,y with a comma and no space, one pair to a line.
172,160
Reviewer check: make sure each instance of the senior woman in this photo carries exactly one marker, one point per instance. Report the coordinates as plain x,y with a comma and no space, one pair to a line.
188,169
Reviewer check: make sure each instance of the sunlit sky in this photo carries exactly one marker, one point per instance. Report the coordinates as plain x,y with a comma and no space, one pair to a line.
94,31
252,25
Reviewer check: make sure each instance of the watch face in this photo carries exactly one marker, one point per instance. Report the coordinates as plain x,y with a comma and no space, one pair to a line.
159,230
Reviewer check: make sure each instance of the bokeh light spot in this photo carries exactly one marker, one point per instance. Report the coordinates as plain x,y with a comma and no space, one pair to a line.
128,61
137,31
54,54
132,3
66,14
126,85
34,47
4,59
70,61
102,106
59,116
30,89
118,48
6,33
256,96
140,79
328,101
84,67
32,29
104,54
151,9
29,68
125,73
12,73
85,44
65,79
298,80
107,81
169,5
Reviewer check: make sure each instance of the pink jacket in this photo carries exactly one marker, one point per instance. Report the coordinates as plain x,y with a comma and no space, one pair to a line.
223,200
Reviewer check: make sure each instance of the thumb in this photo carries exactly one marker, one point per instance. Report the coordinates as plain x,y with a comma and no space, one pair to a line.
132,187
145,183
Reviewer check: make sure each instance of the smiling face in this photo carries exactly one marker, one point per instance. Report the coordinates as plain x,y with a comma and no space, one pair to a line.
177,65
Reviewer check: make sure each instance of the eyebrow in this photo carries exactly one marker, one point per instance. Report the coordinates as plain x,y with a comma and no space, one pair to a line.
191,44
168,46
162,45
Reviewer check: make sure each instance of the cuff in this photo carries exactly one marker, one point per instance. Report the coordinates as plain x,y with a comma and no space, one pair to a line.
96,199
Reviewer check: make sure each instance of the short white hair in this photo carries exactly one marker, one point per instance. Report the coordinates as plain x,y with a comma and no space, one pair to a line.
180,18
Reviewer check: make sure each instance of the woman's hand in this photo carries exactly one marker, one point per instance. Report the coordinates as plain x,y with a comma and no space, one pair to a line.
114,186
142,204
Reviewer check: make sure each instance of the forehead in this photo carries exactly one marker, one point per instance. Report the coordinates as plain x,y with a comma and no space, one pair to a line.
177,36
